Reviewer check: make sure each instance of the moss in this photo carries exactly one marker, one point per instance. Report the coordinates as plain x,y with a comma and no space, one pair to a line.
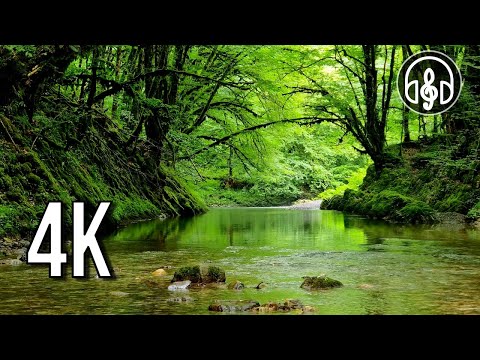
319,282
93,171
433,177
416,212
133,208
191,273
7,219
214,274
386,203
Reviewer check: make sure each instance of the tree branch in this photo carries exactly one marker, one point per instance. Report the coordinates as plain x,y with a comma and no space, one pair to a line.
313,120
117,87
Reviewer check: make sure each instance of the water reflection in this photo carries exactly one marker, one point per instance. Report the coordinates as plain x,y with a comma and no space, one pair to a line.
385,268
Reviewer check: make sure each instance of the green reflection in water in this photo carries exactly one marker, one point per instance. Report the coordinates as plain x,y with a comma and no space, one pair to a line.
386,268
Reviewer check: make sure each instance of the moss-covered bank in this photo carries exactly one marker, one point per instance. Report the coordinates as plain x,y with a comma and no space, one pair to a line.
36,169
421,179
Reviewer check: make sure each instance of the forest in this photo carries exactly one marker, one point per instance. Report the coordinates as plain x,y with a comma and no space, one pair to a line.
168,130
175,132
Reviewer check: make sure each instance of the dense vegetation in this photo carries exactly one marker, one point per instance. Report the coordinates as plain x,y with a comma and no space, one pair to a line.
161,129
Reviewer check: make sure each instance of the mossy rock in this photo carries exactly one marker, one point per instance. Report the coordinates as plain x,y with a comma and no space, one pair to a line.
191,273
319,282
236,285
211,274
214,275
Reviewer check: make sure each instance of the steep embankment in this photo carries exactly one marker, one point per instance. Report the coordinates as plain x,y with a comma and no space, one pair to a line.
430,177
38,165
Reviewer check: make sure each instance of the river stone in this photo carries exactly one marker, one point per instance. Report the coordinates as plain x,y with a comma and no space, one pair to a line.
159,272
180,299
293,304
238,306
21,254
319,282
236,285
308,309
13,262
179,285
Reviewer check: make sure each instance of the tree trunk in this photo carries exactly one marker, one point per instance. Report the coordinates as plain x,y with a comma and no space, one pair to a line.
118,65
93,78
405,127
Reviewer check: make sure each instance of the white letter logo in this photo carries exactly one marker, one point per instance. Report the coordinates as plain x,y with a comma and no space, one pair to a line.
440,84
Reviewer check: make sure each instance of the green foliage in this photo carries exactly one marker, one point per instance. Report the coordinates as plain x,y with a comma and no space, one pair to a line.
7,219
170,129
474,212
133,208
416,212
353,183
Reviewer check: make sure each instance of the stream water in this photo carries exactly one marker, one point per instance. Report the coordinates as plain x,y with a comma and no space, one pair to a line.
385,268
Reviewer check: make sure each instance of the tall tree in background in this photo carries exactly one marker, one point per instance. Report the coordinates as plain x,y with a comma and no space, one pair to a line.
363,110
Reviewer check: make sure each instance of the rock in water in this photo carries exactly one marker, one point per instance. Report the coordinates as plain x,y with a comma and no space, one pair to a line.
179,285
319,282
214,275
183,299
190,273
13,262
234,306
236,285
159,272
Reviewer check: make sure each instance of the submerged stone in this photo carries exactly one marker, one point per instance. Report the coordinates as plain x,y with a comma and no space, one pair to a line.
179,285
159,272
254,306
236,285
180,299
237,306
319,282
13,262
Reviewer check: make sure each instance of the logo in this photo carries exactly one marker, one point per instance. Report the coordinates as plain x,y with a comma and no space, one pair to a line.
429,82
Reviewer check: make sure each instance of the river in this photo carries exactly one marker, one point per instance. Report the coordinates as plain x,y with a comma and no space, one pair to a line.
385,268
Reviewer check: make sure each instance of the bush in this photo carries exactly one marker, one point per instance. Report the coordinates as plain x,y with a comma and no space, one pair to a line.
474,212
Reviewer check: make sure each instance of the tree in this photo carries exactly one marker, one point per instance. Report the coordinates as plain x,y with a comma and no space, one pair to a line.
363,110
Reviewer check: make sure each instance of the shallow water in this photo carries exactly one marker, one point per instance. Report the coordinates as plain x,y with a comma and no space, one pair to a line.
385,268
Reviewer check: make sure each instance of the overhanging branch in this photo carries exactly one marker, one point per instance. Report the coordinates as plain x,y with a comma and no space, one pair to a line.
299,121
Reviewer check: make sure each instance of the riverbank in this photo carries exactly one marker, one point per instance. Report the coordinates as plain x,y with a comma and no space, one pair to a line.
423,182
36,169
